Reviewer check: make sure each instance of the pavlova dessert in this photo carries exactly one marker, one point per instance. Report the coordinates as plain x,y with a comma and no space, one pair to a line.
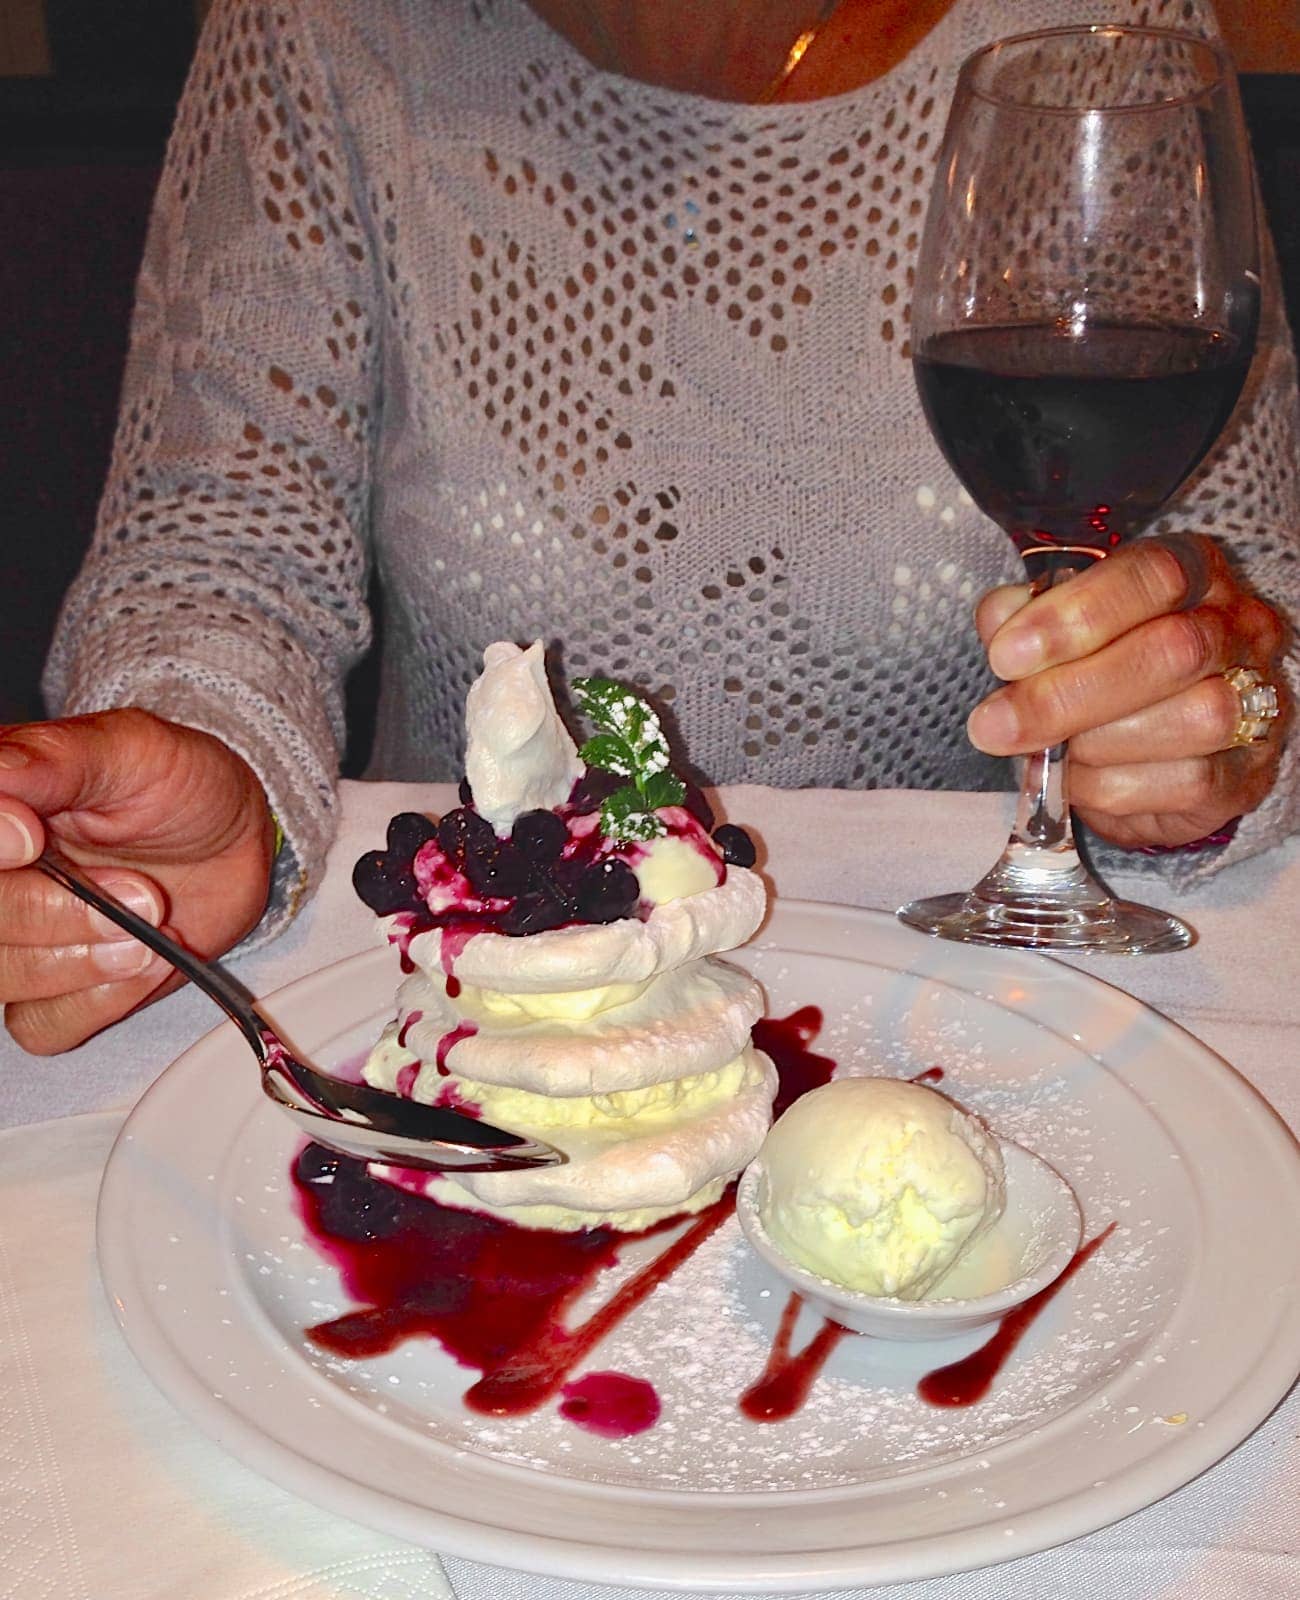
560,930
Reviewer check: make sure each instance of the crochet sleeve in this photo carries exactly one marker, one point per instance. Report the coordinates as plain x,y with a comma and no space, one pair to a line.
225,584
1248,496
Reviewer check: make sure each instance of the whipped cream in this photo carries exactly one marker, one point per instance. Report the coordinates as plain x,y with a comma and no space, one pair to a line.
637,1165
519,755
689,1021
678,864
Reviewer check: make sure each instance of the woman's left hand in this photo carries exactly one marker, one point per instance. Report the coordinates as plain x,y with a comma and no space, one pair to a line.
1126,660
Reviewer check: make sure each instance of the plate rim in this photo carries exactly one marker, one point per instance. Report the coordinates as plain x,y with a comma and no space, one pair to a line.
1060,1517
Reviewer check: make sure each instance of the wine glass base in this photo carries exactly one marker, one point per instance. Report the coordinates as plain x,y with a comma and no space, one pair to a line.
1104,926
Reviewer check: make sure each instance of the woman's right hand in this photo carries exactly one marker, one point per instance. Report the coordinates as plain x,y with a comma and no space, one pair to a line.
167,819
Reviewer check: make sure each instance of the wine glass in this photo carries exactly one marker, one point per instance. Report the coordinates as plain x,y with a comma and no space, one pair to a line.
1083,320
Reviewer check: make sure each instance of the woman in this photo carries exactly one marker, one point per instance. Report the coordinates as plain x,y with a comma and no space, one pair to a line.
587,321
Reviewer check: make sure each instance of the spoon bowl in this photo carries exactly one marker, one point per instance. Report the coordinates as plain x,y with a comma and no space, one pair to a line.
351,1118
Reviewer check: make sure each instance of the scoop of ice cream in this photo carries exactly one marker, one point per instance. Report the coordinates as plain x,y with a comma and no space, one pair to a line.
879,1185
519,755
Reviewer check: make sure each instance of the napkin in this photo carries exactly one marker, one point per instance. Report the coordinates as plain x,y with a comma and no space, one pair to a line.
87,1442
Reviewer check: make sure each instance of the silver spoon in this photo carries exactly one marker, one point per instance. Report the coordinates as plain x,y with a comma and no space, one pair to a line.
351,1118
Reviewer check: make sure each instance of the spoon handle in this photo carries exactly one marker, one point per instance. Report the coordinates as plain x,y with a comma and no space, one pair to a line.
368,1124
202,974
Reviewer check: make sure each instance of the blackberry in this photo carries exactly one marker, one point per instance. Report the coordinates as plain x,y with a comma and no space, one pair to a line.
736,845
463,830
607,891
534,913
357,1206
501,873
539,835
407,832
316,1164
385,887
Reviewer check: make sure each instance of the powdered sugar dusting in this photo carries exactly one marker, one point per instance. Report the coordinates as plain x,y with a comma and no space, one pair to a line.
704,1335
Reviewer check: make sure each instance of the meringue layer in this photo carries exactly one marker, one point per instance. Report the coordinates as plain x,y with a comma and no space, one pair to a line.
688,1021
622,1170
589,955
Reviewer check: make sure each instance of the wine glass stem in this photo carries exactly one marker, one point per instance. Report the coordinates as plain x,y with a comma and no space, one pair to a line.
1039,894
1043,813
1041,850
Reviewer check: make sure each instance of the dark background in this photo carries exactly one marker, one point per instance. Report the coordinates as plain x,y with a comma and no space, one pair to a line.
80,147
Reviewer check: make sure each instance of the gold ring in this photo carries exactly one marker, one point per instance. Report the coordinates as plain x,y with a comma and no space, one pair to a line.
1259,706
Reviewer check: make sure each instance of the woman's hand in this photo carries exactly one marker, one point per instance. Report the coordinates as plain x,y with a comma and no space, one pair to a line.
1126,661
167,819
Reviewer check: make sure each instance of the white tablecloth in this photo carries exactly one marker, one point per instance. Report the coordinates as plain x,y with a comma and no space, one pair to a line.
107,1493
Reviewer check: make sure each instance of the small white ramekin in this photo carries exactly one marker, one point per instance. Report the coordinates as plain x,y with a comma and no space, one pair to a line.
1028,1247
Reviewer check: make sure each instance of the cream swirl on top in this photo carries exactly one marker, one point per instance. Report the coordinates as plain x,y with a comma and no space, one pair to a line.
519,756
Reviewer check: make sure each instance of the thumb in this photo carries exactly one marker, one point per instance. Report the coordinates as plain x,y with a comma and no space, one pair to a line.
77,762
128,786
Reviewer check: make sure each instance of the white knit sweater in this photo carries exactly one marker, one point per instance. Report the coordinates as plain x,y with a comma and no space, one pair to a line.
572,358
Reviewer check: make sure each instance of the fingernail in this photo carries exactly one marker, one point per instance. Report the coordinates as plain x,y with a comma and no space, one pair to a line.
1016,652
993,726
17,846
135,897
123,959
11,757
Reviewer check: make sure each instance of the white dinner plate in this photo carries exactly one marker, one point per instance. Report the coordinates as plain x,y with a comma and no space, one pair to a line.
1159,1356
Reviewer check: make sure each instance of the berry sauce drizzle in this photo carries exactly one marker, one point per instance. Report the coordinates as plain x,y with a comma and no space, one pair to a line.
462,1030
930,1075
787,1379
786,1040
610,1404
404,928
495,1295
408,1022
538,1365
966,1381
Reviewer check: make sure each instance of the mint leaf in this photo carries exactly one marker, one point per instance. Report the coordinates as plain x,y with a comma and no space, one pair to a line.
624,815
610,753
598,699
662,789
638,825
631,744
622,803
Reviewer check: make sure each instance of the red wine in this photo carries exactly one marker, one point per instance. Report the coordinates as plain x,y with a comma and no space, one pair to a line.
1068,440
